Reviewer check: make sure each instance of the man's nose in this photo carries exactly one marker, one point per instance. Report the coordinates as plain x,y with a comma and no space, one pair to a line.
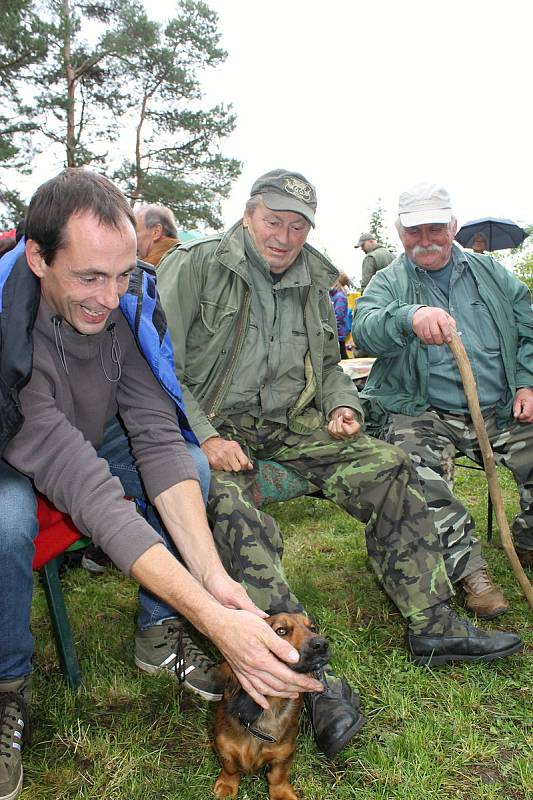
425,239
282,235
109,295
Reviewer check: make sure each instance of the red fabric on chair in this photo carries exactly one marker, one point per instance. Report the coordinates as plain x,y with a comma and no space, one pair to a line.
56,532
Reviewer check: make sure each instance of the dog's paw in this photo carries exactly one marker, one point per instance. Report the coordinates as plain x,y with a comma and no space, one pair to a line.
285,792
226,786
242,707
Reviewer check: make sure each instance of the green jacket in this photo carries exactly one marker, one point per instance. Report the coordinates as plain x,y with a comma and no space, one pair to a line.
376,259
206,293
382,326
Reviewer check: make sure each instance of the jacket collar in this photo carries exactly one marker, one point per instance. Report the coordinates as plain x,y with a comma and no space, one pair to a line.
231,254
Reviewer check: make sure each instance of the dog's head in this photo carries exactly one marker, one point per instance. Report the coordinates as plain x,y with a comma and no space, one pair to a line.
302,634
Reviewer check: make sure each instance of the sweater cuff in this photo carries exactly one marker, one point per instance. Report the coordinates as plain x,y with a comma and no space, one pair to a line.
167,474
134,538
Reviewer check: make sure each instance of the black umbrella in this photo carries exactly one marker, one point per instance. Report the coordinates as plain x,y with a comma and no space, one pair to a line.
499,233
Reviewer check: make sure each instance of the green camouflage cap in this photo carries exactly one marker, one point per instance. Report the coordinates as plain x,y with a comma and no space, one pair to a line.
365,237
287,191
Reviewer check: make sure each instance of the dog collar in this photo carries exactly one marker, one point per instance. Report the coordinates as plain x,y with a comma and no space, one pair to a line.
265,737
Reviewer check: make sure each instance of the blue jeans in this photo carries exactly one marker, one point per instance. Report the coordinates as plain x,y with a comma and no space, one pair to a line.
116,452
18,529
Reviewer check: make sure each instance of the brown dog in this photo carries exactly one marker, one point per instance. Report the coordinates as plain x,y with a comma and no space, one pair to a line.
248,738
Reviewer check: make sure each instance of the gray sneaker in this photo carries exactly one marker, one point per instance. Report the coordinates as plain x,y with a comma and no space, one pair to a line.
15,696
168,646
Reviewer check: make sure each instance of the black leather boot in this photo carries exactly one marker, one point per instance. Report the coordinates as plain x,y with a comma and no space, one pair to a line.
334,713
473,645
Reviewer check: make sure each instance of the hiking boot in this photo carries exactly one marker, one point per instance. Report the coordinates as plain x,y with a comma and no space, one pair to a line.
168,646
464,643
334,713
15,697
525,557
482,597
94,560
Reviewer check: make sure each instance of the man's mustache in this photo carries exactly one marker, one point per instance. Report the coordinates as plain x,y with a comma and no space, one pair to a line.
418,250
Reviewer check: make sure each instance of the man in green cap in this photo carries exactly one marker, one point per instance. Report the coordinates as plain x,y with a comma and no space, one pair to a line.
376,257
256,352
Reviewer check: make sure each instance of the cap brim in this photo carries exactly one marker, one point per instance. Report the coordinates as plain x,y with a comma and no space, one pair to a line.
283,202
426,217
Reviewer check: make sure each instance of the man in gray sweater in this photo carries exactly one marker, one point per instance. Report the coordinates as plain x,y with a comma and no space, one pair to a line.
87,368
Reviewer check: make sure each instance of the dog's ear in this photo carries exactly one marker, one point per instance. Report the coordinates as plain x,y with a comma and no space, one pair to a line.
240,704
242,707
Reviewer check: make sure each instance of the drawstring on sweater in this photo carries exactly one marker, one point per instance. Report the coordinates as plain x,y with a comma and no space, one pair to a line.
57,319
115,354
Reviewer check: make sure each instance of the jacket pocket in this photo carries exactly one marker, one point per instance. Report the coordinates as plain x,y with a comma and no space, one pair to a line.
215,316
436,354
329,333
485,327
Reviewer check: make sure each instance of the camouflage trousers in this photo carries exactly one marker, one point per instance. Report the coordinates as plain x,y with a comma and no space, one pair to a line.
369,479
432,440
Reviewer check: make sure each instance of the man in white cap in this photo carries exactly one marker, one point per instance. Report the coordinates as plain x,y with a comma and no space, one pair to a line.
415,394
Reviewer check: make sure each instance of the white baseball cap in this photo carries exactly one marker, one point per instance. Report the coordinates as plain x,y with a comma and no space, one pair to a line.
423,204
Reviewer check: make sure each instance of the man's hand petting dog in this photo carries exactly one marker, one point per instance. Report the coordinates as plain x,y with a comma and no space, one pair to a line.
262,661
246,736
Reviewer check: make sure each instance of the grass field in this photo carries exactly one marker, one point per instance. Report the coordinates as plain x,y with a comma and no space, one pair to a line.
457,732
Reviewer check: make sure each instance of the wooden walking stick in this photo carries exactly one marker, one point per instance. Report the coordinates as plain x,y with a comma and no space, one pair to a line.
469,385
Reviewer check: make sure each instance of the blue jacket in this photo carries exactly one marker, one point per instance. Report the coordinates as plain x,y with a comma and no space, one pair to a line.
339,302
19,303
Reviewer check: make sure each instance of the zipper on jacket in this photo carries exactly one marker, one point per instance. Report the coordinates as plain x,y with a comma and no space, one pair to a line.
219,390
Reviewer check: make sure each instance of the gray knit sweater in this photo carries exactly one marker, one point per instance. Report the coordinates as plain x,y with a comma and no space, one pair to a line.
70,398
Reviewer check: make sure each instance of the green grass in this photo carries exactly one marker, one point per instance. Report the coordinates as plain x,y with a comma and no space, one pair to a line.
457,732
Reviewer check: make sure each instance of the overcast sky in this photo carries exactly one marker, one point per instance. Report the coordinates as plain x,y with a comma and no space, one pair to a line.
368,98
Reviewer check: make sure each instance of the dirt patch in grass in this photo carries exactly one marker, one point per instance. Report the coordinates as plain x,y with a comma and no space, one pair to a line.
491,773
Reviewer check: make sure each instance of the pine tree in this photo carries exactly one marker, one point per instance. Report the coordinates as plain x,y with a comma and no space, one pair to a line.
102,73
22,45
377,227
176,160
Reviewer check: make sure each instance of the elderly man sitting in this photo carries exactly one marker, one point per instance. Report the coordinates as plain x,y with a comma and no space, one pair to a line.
255,342
415,393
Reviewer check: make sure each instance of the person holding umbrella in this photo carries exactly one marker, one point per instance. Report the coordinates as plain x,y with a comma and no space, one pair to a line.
414,392
490,233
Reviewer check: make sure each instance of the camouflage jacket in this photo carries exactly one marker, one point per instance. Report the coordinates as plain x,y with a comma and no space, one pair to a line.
206,293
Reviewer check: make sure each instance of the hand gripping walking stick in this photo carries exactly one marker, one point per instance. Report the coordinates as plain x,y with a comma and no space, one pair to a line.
469,385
